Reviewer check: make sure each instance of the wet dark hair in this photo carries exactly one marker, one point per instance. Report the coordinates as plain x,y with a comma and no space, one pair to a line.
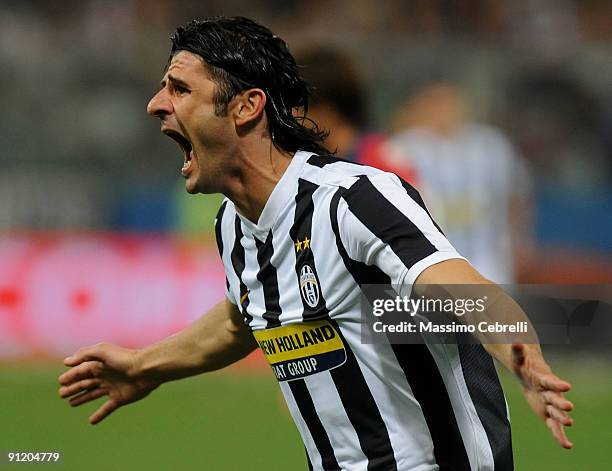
241,54
339,86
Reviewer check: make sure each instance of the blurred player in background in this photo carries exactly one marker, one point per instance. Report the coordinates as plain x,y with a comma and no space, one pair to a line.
338,104
299,233
476,186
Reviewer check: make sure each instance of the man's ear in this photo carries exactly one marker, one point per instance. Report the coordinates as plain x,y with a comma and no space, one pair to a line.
248,106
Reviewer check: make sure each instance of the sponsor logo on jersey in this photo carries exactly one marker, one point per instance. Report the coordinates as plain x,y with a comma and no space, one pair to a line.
309,286
298,350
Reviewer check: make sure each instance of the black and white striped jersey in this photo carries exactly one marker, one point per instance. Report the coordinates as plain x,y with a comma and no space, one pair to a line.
329,227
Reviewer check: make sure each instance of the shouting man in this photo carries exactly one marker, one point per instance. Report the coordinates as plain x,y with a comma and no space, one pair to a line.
299,233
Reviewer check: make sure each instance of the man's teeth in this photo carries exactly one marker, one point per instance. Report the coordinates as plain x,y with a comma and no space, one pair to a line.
187,162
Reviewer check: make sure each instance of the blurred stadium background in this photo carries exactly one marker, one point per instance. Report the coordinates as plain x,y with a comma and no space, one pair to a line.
98,240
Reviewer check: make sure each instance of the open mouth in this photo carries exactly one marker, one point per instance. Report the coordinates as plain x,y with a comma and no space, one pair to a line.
185,146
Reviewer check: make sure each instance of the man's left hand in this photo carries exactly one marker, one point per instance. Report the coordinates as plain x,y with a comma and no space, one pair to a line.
543,390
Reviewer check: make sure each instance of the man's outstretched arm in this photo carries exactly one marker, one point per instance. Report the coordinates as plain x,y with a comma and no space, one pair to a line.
218,339
543,389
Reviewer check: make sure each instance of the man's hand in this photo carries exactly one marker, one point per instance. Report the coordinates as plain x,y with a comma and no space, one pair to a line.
216,340
543,390
541,387
103,370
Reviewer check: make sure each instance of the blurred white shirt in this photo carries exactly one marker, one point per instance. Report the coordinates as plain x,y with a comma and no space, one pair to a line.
468,180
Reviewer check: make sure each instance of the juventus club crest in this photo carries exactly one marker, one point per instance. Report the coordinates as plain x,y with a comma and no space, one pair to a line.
309,286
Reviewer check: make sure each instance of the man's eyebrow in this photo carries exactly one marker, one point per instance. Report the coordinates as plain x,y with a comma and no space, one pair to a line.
175,81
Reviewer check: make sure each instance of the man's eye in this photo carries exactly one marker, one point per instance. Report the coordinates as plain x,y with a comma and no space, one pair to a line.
180,90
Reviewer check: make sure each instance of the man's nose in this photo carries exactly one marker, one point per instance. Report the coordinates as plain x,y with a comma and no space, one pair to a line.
159,105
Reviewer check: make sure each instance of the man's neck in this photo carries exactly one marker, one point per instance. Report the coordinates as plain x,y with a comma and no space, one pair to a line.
256,175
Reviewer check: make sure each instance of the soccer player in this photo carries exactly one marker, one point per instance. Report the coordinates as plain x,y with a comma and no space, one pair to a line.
471,178
298,234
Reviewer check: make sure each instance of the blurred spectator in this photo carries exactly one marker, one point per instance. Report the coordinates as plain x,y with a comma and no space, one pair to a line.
338,104
76,86
472,180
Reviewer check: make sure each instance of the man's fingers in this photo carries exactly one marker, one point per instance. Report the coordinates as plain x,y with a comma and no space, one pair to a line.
79,386
557,400
553,383
95,352
559,416
87,396
89,369
105,410
557,430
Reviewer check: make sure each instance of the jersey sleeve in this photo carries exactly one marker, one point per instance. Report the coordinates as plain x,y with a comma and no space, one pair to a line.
383,222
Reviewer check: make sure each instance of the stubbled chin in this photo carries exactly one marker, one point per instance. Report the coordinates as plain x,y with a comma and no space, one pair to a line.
190,186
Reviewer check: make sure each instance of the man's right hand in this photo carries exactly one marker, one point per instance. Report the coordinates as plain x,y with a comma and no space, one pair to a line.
103,370
217,339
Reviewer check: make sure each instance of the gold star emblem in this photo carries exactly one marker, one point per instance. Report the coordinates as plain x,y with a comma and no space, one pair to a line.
298,245
306,243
